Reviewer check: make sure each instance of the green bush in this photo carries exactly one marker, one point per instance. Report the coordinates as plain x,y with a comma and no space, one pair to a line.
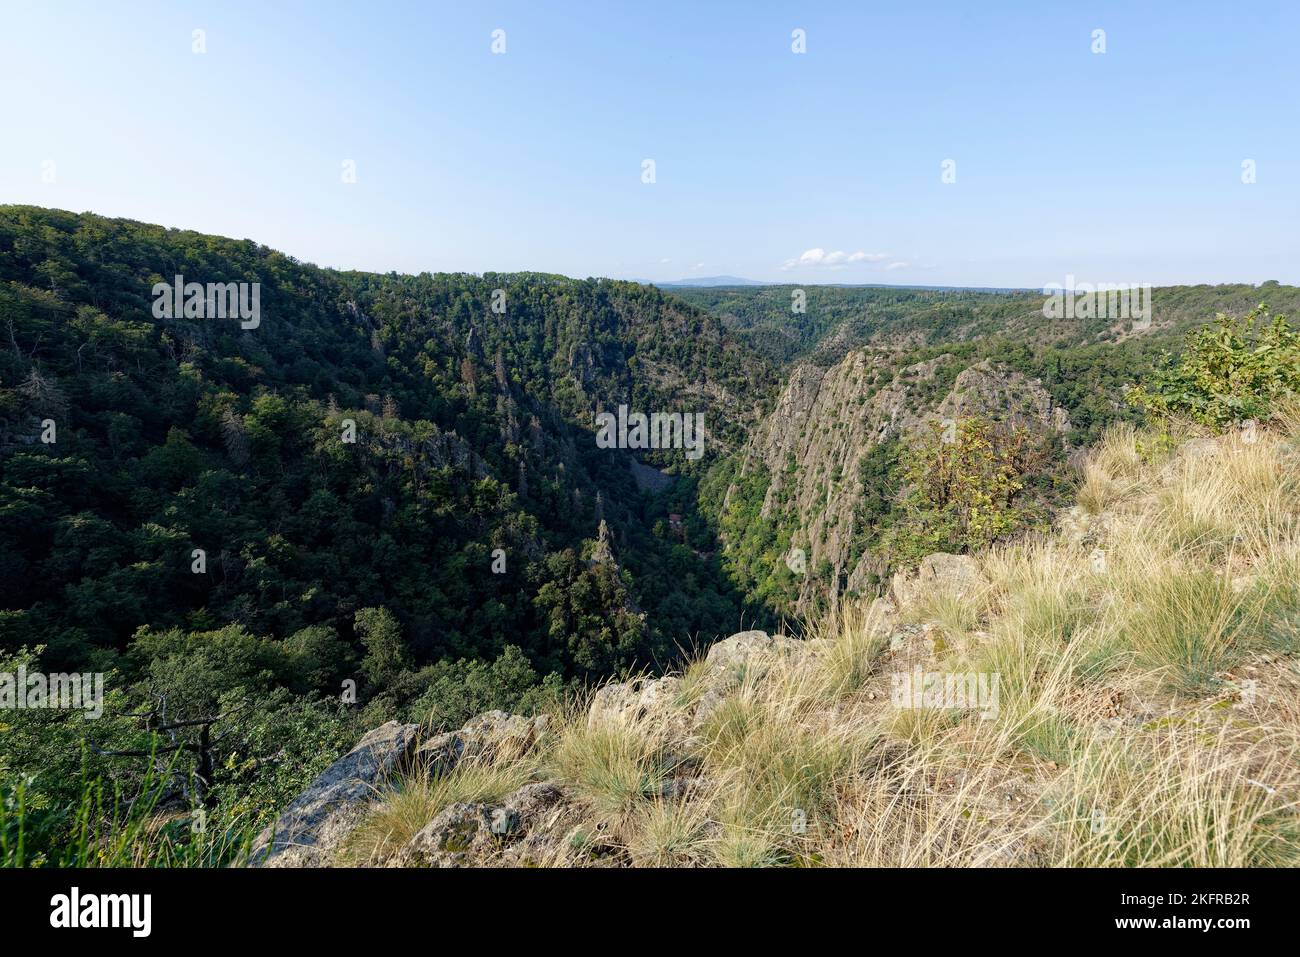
457,691
1231,371
961,487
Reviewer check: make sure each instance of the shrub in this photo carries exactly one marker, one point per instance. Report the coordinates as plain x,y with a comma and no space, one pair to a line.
962,487
1233,370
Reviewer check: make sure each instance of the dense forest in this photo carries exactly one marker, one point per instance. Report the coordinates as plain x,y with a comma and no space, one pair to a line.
788,323
194,522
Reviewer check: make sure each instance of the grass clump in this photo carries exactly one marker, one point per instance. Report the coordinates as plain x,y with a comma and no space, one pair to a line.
405,807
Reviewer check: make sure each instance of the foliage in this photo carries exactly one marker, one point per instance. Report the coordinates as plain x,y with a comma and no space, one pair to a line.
201,533
1231,371
961,485
460,690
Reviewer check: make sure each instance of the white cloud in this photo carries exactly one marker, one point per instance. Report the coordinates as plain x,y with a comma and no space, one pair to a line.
817,257
898,265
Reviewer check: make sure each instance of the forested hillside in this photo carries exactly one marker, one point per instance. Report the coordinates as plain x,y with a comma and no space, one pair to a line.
923,420
473,434
442,561
832,320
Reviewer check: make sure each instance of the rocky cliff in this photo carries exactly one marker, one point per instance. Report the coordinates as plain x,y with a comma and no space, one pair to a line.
812,446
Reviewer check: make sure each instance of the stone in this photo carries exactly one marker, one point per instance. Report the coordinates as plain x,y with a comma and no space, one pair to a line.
612,702
505,820
446,840
491,732
316,822
956,575
528,826
633,700
747,654
740,649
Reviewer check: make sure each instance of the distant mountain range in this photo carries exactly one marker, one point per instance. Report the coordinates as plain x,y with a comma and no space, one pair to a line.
708,282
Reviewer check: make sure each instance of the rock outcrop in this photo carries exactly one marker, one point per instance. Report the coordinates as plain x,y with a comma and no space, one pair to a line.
527,828
826,421
535,823
659,771
309,830
727,664
489,733
958,576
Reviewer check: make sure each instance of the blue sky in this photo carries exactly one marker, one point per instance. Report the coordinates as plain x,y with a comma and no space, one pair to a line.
1117,167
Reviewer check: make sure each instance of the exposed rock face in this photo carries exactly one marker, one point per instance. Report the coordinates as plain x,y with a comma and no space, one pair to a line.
547,822
744,648
828,419
747,653
445,840
1004,396
315,825
630,700
318,820
602,553
532,824
648,478
494,731
956,575
527,828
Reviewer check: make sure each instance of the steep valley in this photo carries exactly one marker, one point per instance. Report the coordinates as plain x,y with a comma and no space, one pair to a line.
385,501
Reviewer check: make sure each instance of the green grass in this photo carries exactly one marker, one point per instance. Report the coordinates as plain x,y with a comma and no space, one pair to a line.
108,828
1186,624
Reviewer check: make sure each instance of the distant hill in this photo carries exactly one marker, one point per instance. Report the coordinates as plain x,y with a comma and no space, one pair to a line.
708,282
711,282
834,319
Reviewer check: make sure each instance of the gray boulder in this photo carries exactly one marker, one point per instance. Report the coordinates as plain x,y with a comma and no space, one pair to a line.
313,826
446,840
629,700
526,826
494,732
725,665
956,575
742,649
746,654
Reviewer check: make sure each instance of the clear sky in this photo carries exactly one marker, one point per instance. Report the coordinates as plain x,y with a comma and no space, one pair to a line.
1123,166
